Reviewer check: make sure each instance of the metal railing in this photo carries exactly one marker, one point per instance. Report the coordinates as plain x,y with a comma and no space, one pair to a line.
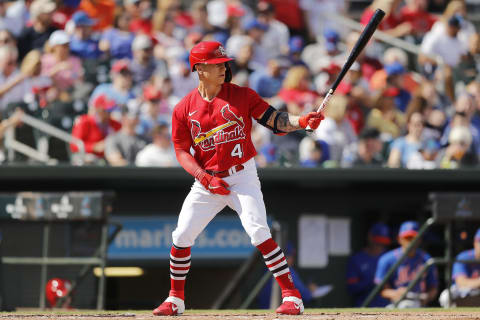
14,145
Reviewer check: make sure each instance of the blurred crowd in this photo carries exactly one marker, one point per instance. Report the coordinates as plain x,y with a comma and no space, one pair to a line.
110,73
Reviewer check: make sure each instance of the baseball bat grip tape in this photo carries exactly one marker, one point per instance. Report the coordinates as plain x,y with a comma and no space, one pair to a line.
322,106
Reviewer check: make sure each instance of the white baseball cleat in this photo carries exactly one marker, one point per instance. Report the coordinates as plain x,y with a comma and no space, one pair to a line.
172,306
291,305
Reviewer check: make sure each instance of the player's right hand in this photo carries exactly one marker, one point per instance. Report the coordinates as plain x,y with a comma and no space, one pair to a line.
215,185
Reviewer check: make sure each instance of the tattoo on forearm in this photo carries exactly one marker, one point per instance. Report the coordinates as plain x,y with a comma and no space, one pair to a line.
285,122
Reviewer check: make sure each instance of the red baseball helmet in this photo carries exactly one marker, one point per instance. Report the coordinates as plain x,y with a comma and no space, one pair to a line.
56,288
209,52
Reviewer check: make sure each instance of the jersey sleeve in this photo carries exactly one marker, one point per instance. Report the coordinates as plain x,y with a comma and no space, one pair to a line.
257,105
459,268
382,268
180,132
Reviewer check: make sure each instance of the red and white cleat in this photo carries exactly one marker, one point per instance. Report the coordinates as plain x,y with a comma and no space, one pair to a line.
291,305
172,306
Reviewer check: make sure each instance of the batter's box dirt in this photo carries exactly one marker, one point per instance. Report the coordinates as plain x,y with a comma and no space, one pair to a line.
314,314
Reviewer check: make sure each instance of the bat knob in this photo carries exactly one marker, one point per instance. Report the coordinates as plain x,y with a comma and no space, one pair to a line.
308,129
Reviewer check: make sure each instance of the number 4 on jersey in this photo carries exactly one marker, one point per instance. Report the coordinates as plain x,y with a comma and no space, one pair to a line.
237,151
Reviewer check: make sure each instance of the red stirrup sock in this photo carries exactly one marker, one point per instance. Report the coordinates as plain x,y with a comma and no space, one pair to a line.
277,264
179,267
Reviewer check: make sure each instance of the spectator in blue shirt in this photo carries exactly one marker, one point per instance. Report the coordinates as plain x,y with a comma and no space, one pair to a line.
465,276
395,78
120,90
269,81
425,290
362,265
117,41
84,42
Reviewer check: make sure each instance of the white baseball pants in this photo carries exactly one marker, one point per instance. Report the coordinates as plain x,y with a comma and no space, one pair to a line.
201,206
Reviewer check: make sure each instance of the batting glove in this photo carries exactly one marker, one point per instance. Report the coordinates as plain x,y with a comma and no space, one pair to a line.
311,119
215,185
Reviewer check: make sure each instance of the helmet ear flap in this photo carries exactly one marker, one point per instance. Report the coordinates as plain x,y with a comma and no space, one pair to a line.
228,73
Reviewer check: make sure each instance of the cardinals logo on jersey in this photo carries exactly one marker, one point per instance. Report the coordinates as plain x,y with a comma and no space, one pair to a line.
208,140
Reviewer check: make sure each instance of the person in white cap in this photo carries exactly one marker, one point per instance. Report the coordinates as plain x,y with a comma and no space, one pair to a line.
37,35
143,65
64,69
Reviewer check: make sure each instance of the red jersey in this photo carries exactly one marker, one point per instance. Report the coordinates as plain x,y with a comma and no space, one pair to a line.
219,130
421,21
389,22
87,130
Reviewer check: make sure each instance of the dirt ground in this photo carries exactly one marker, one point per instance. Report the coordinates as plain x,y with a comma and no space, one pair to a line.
310,315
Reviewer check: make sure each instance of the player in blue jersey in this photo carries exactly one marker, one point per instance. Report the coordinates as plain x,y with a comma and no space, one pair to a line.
425,290
362,265
466,276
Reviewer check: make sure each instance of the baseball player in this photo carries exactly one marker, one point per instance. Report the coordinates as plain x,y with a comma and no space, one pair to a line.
466,276
425,290
215,121
362,265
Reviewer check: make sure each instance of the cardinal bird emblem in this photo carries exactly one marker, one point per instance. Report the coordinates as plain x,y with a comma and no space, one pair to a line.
230,116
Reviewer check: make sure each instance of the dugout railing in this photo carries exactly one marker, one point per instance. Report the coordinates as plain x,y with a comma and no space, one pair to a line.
447,208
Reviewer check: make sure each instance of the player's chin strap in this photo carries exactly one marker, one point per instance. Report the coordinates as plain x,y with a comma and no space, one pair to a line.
266,116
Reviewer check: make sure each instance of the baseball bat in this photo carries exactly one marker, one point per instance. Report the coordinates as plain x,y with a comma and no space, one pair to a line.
359,45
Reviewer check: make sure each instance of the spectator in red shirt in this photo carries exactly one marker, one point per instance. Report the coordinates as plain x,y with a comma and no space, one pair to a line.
94,127
421,21
141,12
296,91
391,23
368,65
290,13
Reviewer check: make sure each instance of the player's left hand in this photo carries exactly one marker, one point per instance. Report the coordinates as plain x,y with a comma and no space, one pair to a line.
215,185
311,119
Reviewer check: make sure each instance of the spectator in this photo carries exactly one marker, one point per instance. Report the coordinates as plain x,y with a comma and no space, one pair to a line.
296,90
365,153
101,11
153,111
160,153
336,130
267,83
290,13
120,90
404,147
426,156
425,290
241,66
143,64
37,35
141,12
320,55
311,153
199,13
393,56
13,25
391,24
181,76
384,115
468,68
319,15
458,153
93,128
275,40
395,79
17,84
64,70
362,265
7,38
459,8
465,276
446,44
369,65
122,148
256,30
421,21
84,43
117,41
295,46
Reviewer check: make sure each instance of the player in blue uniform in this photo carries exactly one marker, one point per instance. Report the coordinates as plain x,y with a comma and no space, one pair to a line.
425,290
362,265
466,276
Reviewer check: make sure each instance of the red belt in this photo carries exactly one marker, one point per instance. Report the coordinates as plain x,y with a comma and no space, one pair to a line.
226,173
